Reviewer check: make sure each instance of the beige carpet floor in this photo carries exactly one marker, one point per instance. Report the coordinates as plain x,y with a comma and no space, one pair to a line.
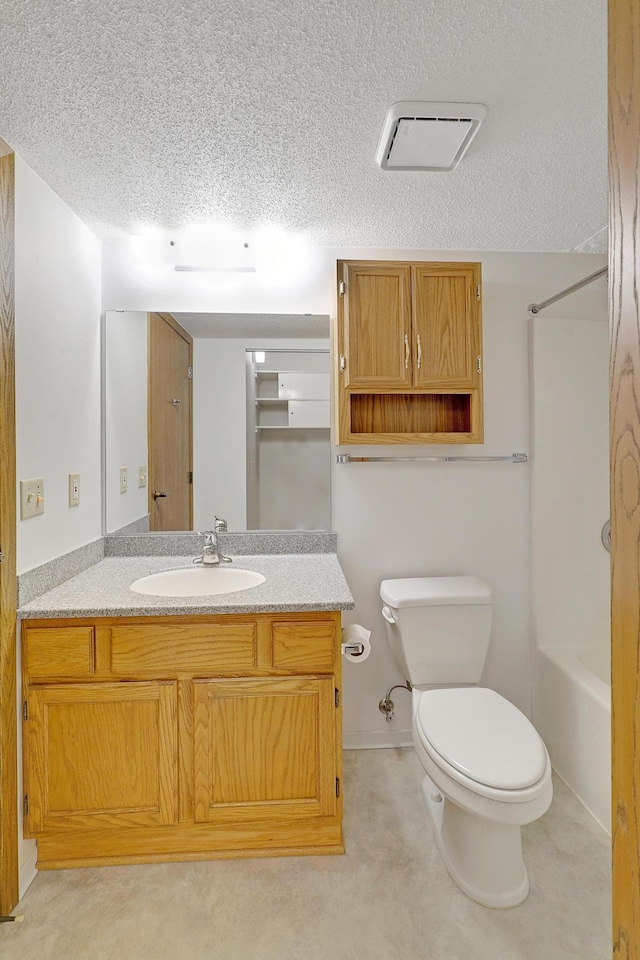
388,897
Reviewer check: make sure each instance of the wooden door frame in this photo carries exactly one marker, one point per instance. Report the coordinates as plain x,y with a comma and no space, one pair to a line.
8,589
624,318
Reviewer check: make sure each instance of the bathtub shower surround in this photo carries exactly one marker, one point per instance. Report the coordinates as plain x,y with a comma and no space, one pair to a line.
573,706
570,566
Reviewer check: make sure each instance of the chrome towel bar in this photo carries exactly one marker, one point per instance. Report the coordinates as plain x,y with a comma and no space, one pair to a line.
514,458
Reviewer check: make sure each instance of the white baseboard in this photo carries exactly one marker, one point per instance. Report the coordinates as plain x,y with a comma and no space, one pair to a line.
376,739
28,873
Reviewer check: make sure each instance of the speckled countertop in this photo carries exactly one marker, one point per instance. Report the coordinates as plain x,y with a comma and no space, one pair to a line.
292,582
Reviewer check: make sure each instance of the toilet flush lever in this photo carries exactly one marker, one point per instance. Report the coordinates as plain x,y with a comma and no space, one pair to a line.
386,613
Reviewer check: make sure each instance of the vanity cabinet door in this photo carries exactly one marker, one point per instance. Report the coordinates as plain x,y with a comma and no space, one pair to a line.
101,754
264,749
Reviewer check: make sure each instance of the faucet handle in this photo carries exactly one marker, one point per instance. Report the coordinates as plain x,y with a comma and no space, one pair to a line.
219,525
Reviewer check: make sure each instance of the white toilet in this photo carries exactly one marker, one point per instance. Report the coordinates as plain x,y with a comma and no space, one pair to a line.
487,769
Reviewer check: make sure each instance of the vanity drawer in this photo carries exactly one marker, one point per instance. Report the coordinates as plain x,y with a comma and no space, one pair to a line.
304,646
163,650
63,652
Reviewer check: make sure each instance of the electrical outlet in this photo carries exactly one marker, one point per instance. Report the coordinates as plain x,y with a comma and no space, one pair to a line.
74,489
31,498
142,476
123,480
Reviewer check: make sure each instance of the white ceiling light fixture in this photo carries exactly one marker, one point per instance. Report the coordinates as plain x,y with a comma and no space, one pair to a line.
428,136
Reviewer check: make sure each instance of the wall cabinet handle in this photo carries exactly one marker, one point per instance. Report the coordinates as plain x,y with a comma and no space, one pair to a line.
419,351
407,351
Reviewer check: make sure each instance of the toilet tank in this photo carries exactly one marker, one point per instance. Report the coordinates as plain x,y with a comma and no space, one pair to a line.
438,627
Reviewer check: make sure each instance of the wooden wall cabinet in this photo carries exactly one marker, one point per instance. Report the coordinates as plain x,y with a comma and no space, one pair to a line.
408,350
177,738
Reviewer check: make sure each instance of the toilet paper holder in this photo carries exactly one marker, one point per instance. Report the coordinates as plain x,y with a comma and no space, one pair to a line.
355,649
355,644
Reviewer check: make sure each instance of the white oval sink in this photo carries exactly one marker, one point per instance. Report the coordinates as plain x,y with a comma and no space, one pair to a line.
200,582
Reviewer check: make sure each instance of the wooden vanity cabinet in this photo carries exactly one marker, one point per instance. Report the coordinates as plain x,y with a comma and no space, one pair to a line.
409,352
175,738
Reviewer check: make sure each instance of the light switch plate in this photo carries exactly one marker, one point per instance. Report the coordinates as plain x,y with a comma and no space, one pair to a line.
123,480
142,476
74,489
31,498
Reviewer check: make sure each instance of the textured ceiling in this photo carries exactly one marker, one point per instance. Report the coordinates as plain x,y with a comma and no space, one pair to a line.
152,112
255,325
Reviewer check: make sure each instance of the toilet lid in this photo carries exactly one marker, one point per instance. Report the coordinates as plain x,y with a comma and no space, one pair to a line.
483,736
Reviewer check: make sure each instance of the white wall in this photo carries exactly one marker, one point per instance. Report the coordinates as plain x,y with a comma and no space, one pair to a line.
125,413
570,486
411,519
58,303
57,309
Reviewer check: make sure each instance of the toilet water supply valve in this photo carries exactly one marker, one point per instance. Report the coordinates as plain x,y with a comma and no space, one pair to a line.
387,705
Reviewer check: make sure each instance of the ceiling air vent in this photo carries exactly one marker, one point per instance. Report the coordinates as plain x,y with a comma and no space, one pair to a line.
428,136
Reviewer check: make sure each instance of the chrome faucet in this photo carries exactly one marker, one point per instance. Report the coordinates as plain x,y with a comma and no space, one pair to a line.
211,554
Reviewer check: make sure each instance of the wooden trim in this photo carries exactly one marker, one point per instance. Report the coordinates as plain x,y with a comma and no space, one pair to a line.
185,750
182,639
8,588
178,620
173,323
624,168
191,842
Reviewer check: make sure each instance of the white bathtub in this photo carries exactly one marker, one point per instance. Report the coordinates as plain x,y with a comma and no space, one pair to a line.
572,712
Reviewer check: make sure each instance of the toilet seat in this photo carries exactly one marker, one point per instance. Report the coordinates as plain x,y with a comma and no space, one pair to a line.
483,742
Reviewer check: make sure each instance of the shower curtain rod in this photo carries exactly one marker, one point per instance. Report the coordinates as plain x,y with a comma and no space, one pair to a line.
535,308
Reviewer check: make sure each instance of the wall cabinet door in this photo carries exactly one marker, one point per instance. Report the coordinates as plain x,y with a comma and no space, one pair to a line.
101,754
446,325
264,749
377,325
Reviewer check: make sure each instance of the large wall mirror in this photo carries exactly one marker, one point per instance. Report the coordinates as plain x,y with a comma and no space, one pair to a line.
215,414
